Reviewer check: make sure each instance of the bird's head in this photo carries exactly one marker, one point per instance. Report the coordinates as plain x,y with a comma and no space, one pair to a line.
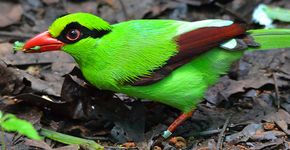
67,31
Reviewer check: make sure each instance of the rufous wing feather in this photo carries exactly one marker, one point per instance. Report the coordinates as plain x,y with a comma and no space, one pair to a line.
201,40
190,45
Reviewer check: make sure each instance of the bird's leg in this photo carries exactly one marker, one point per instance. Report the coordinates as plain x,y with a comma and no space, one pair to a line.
176,123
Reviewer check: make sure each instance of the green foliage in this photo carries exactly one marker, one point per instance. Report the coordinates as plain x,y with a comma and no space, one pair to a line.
67,139
278,13
11,123
270,38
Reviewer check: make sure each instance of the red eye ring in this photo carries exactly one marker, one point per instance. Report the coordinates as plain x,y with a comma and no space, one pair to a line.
73,34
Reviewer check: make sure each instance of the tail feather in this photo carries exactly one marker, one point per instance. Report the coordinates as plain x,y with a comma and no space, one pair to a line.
270,38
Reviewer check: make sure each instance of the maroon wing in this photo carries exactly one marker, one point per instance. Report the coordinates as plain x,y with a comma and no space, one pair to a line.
190,45
201,40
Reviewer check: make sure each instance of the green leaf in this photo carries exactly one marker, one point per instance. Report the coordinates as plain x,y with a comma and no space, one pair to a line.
18,46
270,38
265,15
68,139
1,115
278,13
11,123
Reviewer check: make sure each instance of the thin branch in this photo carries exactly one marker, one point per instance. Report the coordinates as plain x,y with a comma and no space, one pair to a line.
230,12
277,95
221,135
206,133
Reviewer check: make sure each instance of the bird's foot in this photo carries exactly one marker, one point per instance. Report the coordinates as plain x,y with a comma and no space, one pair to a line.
158,140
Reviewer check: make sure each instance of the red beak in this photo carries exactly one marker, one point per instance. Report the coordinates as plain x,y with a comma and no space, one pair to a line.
41,43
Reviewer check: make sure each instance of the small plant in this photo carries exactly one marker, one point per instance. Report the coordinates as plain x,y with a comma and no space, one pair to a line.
11,123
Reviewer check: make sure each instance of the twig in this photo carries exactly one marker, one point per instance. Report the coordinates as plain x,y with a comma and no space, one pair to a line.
277,95
124,10
15,35
230,12
221,135
206,133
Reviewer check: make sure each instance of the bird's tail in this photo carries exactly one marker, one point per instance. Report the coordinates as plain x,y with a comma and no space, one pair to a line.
270,38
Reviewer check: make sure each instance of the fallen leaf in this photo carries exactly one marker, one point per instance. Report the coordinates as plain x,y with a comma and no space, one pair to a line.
245,134
283,126
268,135
39,144
271,145
281,115
10,13
227,87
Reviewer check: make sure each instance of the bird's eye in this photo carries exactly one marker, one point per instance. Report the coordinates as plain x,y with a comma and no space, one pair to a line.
73,34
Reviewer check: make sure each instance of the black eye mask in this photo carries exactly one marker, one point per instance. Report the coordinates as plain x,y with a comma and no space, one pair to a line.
84,33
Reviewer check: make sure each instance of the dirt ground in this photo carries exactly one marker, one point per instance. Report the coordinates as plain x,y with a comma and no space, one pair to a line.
247,109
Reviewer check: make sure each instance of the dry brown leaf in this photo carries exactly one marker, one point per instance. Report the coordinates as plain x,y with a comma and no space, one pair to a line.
10,13
69,147
37,144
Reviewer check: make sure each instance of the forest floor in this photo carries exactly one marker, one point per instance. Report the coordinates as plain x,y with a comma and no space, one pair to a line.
247,109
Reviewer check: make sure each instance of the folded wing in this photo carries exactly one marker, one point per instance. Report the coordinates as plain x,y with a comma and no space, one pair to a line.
190,45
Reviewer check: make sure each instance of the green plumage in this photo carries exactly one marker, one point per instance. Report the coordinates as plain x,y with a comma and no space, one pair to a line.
118,57
135,48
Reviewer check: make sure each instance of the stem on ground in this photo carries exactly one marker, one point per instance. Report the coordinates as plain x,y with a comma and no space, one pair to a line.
67,139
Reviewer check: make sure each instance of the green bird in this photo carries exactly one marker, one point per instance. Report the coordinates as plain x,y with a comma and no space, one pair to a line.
167,61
